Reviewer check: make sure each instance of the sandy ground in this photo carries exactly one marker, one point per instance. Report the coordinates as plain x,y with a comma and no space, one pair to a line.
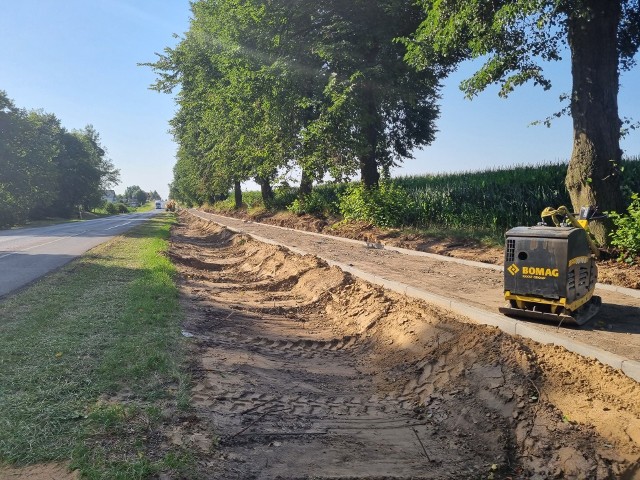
48,471
610,271
615,329
303,371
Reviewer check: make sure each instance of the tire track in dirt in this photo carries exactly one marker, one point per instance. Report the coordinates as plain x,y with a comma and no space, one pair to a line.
303,372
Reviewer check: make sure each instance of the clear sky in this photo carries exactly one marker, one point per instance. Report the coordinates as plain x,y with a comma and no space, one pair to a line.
78,59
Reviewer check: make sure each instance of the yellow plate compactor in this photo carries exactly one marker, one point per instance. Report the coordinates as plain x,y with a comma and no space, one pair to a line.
550,270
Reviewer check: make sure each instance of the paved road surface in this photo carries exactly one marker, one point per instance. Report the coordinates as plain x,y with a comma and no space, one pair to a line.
29,253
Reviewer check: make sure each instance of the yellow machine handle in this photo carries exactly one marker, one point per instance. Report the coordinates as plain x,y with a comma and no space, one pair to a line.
560,213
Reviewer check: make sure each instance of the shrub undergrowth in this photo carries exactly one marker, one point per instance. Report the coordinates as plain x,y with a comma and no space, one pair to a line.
488,202
389,205
626,235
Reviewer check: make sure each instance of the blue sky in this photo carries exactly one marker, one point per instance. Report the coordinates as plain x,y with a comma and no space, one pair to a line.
78,59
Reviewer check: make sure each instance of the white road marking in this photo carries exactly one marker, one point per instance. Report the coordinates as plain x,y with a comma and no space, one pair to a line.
43,244
116,226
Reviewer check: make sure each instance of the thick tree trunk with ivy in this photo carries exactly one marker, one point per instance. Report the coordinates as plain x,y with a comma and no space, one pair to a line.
237,194
593,176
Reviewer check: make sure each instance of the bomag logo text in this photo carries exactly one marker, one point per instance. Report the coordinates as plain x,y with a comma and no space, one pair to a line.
539,272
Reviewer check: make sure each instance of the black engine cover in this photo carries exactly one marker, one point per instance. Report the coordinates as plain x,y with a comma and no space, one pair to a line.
548,262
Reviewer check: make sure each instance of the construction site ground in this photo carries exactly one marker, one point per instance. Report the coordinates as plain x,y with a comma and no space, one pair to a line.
303,371
616,328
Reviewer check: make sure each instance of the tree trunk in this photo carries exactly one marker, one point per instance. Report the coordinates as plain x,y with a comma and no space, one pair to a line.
306,184
265,190
237,193
369,174
593,176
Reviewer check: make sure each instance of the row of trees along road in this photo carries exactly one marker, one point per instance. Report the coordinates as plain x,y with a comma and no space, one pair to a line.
336,87
46,170
134,192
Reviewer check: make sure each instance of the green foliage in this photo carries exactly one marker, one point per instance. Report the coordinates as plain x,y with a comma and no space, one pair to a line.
626,235
134,192
316,203
268,86
630,168
46,170
253,200
387,206
491,201
110,208
515,40
284,195
486,202
514,37
122,208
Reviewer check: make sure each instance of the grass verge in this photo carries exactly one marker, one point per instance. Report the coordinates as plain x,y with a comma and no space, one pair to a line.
91,362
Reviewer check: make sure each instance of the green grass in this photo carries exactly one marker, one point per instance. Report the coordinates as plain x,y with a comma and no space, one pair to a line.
90,356
144,208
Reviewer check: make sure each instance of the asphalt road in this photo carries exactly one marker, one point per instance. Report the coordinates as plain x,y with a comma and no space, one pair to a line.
27,254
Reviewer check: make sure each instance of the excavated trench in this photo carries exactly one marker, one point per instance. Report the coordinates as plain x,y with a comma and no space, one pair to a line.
302,371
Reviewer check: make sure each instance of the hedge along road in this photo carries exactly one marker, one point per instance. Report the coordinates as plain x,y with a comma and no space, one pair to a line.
27,254
476,291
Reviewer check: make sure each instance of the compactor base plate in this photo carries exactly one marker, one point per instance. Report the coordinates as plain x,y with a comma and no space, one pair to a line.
579,317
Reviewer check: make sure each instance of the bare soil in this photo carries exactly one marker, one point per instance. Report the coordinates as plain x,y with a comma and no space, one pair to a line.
615,329
303,371
45,471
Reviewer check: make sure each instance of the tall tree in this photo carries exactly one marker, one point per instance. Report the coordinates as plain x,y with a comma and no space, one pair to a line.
516,37
220,126
28,146
321,85
134,192
379,108
85,172
45,169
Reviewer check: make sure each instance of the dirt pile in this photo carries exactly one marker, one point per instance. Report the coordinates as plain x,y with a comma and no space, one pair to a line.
304,372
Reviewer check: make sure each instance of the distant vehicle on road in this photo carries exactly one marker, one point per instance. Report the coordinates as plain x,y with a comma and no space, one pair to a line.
158,204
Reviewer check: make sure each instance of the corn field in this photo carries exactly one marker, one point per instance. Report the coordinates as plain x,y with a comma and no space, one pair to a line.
496,200
488,202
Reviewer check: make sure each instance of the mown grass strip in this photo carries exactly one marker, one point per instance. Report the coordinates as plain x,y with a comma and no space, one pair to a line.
91,357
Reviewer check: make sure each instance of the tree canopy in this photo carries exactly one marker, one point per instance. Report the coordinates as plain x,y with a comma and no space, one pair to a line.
137,194
46,170
514,39
268,86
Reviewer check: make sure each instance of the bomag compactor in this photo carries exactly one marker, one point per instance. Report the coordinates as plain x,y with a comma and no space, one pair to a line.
550,270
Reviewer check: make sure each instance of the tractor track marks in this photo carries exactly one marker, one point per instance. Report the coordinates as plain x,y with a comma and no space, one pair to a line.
300,371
